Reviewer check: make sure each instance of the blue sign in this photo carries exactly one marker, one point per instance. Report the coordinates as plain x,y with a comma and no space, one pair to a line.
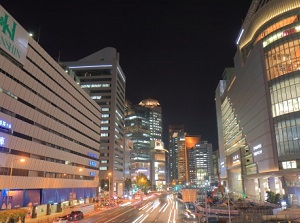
92,174
5,124
92,155
93,163
2,141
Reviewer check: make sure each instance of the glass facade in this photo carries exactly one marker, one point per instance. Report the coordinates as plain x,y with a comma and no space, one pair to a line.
283,65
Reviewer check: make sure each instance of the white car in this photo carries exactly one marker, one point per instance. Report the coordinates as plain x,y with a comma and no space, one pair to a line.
62,219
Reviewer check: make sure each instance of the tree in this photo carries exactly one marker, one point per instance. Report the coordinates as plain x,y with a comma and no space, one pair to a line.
142,182
13,215
273,198
128,185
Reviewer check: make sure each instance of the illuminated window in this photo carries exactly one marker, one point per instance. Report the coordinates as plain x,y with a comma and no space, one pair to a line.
289,164
277,26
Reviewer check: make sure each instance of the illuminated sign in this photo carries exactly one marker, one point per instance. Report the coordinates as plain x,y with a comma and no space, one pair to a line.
2,140
13,37
257,150
92,174
222,164
93,163
92,155
235,159
5,124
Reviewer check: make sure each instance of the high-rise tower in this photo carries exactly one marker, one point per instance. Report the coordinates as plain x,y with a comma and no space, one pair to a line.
176,141
143,124
101,75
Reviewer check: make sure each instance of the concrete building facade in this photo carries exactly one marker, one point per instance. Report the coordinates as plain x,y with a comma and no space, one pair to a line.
49,128
101,75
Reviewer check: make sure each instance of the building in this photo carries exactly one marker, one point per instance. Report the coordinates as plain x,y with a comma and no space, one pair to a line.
158,165
200,164
101,75
176,138
155,118
258,105
187,165
49,123
143,124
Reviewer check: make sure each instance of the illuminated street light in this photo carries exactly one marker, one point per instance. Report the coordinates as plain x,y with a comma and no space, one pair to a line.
22,160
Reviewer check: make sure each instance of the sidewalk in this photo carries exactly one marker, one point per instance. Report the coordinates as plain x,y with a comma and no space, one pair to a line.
51,217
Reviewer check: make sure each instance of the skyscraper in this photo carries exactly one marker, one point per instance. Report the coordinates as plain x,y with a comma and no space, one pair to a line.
176,139
200,164
101,75
257,103
143,124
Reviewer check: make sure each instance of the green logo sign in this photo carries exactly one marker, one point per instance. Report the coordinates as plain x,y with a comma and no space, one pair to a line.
6,29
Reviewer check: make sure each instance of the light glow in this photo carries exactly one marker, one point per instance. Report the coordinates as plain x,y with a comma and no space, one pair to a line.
90,66
239,38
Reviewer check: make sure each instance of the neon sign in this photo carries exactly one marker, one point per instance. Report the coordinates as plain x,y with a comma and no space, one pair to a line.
5,124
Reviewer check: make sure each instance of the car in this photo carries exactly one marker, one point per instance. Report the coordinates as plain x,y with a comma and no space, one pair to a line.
62,219
75,215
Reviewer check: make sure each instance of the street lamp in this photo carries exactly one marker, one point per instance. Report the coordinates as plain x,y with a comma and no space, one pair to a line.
72,198
109,174
22,160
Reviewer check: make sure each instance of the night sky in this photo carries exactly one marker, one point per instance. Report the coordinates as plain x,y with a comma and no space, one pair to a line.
171,51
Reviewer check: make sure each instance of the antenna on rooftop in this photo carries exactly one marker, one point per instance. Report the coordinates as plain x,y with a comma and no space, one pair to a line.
38,37
58,59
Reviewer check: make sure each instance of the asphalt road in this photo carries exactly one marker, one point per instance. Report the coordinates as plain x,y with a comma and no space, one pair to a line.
156,209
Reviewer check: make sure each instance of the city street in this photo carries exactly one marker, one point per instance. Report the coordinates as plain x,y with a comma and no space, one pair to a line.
159,209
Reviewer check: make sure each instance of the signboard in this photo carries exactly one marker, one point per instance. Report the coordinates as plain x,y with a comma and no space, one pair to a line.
13,37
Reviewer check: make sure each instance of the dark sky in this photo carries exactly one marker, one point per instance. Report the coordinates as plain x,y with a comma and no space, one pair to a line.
171,51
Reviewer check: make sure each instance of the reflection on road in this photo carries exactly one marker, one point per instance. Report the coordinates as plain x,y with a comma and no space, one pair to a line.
159,209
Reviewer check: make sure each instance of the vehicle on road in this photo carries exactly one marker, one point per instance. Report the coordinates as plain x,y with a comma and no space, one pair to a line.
75,215
62,219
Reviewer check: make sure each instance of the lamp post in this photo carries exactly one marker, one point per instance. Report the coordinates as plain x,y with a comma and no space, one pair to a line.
22,160
72,198
109,174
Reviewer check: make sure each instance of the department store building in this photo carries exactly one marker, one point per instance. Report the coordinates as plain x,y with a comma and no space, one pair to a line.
258,105
49,128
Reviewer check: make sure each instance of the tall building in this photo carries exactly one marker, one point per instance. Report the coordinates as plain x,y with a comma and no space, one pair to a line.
258,104
46,121
187,165
155,118
200,164
101,75
143,124
176,138
158,165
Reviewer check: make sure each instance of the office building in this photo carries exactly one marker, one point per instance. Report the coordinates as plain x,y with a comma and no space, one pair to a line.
200,164
258,105
176,140
101,75
158,165
155,118
49,123
143,124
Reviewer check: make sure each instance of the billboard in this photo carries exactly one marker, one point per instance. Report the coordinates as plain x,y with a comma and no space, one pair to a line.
13,37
